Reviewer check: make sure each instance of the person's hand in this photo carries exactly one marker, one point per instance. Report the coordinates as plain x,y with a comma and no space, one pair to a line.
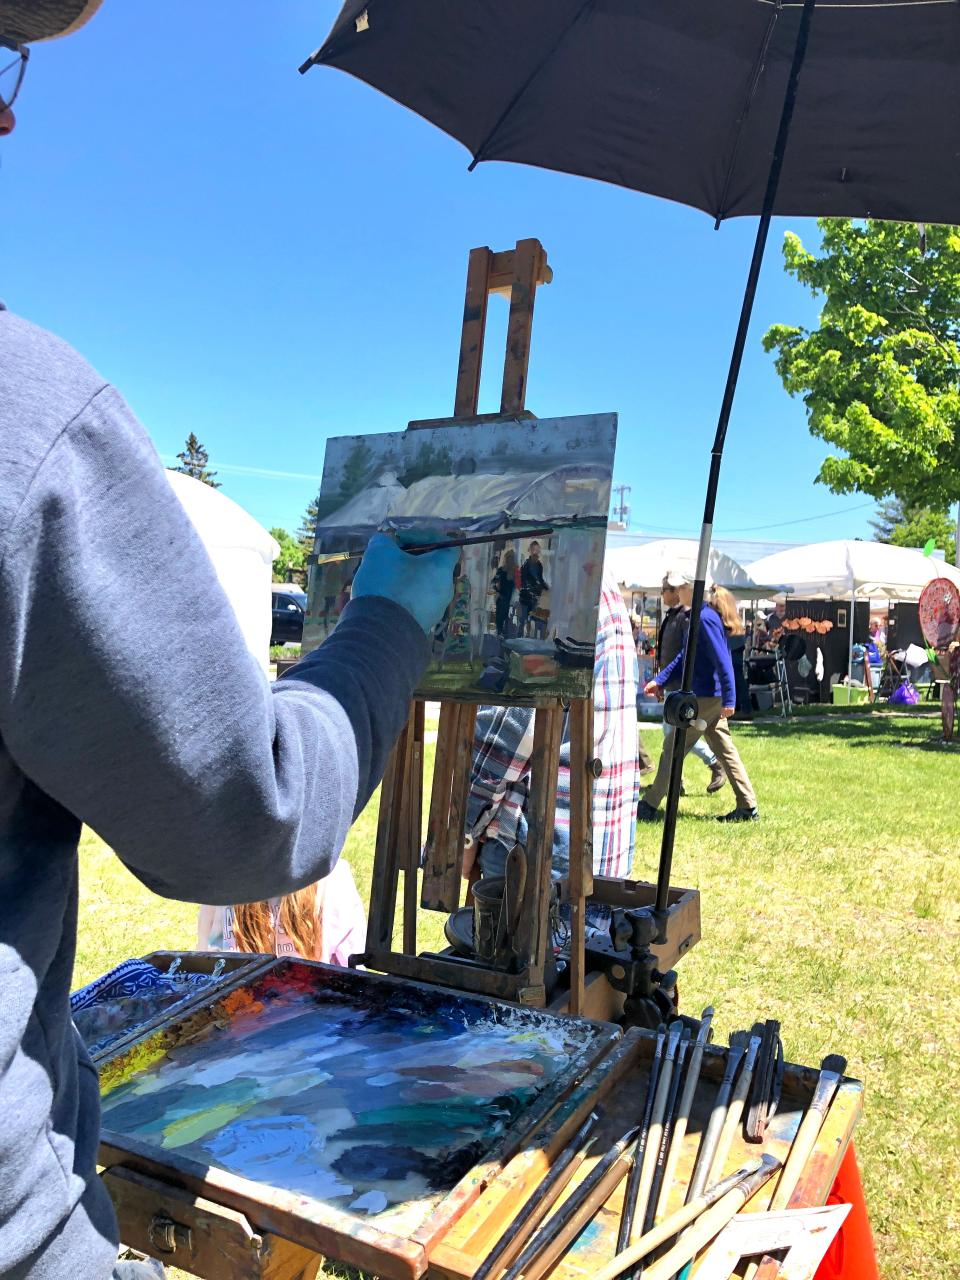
423,584
651,687
727,712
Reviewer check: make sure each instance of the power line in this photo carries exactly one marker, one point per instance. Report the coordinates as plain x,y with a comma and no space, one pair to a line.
777,524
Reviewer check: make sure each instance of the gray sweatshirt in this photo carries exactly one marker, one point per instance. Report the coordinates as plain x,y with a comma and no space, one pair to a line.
128,701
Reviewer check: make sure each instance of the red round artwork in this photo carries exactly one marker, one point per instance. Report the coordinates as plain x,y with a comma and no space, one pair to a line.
939,611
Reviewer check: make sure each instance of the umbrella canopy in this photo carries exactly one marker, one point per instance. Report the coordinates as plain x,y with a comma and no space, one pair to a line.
643,568
843,568
682,98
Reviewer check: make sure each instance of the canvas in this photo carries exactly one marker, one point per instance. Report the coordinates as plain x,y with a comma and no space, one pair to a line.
355,1093
523,618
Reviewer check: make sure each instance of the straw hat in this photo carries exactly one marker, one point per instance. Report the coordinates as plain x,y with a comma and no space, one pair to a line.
28,20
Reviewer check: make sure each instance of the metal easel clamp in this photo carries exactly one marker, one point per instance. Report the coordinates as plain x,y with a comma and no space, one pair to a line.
682,710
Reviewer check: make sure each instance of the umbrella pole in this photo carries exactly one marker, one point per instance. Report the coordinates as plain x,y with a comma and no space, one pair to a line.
716,455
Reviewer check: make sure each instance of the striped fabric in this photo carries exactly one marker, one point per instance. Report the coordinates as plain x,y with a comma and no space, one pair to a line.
500,779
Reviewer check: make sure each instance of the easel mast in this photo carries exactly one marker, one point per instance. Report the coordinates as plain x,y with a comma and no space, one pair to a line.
625,971
516,272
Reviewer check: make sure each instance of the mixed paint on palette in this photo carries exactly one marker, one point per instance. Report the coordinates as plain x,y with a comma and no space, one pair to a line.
367,1095
523,618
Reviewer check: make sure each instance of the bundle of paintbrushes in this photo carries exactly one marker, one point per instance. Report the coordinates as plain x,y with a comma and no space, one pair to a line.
651,1242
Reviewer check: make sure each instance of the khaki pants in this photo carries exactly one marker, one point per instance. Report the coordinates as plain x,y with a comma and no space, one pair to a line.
717,735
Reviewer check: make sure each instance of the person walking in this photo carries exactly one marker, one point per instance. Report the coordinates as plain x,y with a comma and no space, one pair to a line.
670,641
504,584
532,584
724,603
714,688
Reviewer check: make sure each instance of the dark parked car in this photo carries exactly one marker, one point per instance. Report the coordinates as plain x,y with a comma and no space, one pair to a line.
289,607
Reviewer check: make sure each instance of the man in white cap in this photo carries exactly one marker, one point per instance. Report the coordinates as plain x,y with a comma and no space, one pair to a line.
152,724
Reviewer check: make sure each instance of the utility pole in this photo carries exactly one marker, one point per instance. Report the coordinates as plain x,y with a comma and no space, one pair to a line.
621,509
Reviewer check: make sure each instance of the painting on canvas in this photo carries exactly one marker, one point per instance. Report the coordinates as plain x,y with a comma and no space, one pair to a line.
523,617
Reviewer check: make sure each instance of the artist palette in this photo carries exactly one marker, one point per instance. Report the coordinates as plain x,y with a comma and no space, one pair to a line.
353,1114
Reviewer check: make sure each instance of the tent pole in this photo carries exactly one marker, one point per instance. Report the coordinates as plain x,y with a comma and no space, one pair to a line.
853,610
706,531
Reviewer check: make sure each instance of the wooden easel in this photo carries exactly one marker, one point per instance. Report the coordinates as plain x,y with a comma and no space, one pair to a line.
516,272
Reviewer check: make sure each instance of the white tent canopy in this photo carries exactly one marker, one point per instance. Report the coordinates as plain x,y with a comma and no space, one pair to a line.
242,552
850,569
837,570
643,568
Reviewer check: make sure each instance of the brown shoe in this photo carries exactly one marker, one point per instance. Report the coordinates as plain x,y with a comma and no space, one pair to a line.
718,778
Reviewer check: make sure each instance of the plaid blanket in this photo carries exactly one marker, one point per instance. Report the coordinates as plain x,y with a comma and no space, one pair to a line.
500,778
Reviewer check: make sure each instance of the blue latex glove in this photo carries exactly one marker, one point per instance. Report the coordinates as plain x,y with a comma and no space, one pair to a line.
423,585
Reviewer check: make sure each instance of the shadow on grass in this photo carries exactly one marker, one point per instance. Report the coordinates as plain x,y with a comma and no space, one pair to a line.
903,731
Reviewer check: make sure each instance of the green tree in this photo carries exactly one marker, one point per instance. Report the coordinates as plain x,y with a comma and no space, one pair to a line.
880,375
914,527
307,533
291,554
193,462
356,470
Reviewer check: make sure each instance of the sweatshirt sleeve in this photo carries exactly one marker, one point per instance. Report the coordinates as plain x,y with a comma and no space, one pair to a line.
661,678
127,693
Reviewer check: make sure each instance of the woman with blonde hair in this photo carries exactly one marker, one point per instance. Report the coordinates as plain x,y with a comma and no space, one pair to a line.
324,921
724,603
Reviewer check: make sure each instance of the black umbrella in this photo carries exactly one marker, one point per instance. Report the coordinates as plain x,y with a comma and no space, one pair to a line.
694,100
682,98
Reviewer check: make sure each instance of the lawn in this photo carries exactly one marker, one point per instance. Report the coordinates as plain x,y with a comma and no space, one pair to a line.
837,913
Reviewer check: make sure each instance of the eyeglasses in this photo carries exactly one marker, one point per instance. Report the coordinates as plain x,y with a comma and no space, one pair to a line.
12,71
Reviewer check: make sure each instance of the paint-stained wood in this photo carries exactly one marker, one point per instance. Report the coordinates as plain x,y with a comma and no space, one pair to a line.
383,890
581,841
434,851
473,331
533,936
411,867
527,267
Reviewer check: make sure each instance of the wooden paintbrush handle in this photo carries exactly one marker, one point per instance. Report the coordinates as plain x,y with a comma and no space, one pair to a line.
544,1262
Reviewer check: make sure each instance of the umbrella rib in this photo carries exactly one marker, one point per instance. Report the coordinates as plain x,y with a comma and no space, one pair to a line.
755,74
478,154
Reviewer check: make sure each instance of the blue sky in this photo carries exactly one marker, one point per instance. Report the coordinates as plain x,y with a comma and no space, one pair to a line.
267,259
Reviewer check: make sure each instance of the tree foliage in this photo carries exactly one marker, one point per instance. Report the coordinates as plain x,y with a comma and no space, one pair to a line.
193,462
905,526
291,555
880,375
307,533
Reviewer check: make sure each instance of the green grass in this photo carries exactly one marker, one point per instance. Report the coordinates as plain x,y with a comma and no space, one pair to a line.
837,913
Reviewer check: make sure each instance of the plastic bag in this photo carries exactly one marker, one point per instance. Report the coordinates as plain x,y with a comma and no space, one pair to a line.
905,695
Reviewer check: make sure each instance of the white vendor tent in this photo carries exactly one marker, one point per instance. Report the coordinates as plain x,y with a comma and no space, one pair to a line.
242,552
642,568
835,570
852,569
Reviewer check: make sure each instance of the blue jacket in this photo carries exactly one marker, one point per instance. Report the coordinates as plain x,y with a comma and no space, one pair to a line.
712,669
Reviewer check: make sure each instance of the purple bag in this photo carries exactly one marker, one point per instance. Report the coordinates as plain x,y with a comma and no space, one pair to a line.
905,695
